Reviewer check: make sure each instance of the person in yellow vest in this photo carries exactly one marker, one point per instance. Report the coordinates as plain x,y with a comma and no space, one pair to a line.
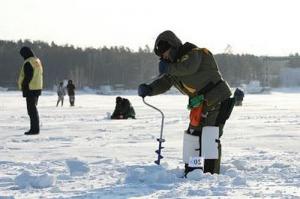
31,83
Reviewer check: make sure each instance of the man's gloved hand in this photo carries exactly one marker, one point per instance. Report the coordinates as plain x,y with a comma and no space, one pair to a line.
144,90
163,67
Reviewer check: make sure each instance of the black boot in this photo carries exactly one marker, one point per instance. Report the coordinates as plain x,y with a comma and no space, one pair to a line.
31,133
188,169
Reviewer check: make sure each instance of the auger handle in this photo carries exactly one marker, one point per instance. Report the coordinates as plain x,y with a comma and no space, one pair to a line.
160,139
162,117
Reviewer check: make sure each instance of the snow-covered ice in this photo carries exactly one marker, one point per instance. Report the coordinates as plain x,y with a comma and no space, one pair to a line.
80,153
26,179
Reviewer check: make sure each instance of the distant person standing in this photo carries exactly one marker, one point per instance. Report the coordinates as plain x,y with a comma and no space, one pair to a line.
60,93
71,92
239,96
31,83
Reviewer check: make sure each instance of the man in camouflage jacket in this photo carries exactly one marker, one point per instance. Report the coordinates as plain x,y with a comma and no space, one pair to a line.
194,72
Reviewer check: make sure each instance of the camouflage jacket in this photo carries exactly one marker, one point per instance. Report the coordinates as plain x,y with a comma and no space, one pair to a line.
194,72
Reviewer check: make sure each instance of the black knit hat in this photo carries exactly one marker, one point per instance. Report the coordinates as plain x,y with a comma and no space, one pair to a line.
162,47
118,99
26,52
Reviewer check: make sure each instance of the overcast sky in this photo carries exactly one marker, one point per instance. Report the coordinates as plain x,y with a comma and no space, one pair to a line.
260,27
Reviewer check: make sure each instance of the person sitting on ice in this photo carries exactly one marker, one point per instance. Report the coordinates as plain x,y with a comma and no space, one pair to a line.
123,109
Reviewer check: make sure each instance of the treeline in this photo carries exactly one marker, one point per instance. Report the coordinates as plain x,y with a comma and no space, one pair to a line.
86,67
238,69
110,66
294,61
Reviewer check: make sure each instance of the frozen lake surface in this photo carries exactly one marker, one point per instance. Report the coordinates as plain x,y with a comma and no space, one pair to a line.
82,154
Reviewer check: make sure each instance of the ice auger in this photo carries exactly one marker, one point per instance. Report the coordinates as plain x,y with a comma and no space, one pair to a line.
160,139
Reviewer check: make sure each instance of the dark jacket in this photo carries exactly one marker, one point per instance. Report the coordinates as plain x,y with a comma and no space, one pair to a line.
71,89
239,94
26,52
193,72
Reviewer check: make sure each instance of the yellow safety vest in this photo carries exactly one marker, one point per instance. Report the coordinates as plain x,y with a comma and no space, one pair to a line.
36,82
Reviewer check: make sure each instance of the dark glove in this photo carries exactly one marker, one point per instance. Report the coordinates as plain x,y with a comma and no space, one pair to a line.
25,87
144,90
163,67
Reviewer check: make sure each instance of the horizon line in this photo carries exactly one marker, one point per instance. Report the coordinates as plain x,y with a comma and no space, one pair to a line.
131,49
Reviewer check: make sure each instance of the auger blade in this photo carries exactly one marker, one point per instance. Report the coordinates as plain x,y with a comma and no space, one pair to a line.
160,156
158,151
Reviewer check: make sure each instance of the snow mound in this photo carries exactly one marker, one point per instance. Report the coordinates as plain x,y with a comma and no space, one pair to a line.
26,179
149,175
279,165
240,164
232,172
199,192
196,174
77,168
239,181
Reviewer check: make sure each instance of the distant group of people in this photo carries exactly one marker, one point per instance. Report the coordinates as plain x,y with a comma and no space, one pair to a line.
61,93
192,70
30,81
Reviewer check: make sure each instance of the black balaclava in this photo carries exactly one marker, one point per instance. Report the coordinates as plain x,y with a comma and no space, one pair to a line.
165,41
26,52
162,47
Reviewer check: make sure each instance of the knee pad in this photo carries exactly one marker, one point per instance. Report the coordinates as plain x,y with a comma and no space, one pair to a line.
209,142
191,147
205,145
